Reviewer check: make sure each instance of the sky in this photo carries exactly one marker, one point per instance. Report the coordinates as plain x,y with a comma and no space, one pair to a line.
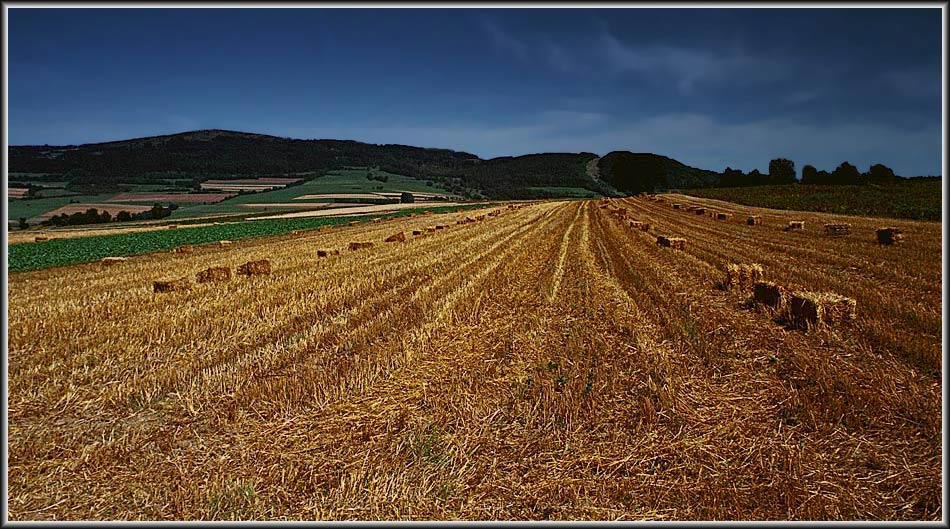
710,87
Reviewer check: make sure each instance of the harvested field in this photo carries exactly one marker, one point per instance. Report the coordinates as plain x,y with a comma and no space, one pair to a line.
549,364
352,210
180,198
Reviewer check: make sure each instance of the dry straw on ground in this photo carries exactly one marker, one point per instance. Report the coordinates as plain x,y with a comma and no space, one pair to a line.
255,268
213,274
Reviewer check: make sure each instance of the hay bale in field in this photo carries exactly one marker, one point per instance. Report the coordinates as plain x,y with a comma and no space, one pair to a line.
430,230
770,294
699,211
41,238
295,232
327,253
396,237
837,230
353,223
440,226
742,275
754,220
184,248
213,274
677,206
808,309
723,216
417,232
359,246
889,236
254,268
480,218
109,261
172,285
376,220
795,225
224,243
676,243
494,213
634,224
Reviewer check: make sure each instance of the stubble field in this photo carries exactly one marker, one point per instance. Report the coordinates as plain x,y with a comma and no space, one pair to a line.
547,363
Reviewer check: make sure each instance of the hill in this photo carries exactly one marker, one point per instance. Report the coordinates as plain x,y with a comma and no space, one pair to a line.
644,172
203,154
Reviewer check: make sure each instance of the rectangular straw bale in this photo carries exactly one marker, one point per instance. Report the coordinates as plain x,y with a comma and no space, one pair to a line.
770,294
359,245
754,220
700,211
677,206
396,237
171,285
41,238
215,273
723,216
837,229
109,261
185,248
417,232
742,276
889,235
795,225
809,309
254,268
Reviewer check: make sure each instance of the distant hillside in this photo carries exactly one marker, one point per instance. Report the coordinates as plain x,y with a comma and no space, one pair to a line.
638,172
208,154
200,155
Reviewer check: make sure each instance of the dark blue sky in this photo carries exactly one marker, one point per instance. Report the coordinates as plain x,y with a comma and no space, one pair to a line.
709,87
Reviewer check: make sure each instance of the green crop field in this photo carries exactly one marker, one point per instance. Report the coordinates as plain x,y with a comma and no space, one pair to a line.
28,208
61,252
918,199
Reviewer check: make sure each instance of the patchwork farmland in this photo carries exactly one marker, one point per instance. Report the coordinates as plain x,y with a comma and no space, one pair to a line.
546,360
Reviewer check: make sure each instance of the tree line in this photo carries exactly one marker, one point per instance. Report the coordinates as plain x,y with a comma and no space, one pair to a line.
782,171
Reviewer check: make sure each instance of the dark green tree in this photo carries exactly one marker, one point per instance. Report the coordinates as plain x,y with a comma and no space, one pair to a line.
881,174
781,171
809,174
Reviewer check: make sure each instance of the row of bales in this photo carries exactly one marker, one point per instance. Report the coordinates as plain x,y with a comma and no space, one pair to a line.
263,266
802,309
214,274
885,235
